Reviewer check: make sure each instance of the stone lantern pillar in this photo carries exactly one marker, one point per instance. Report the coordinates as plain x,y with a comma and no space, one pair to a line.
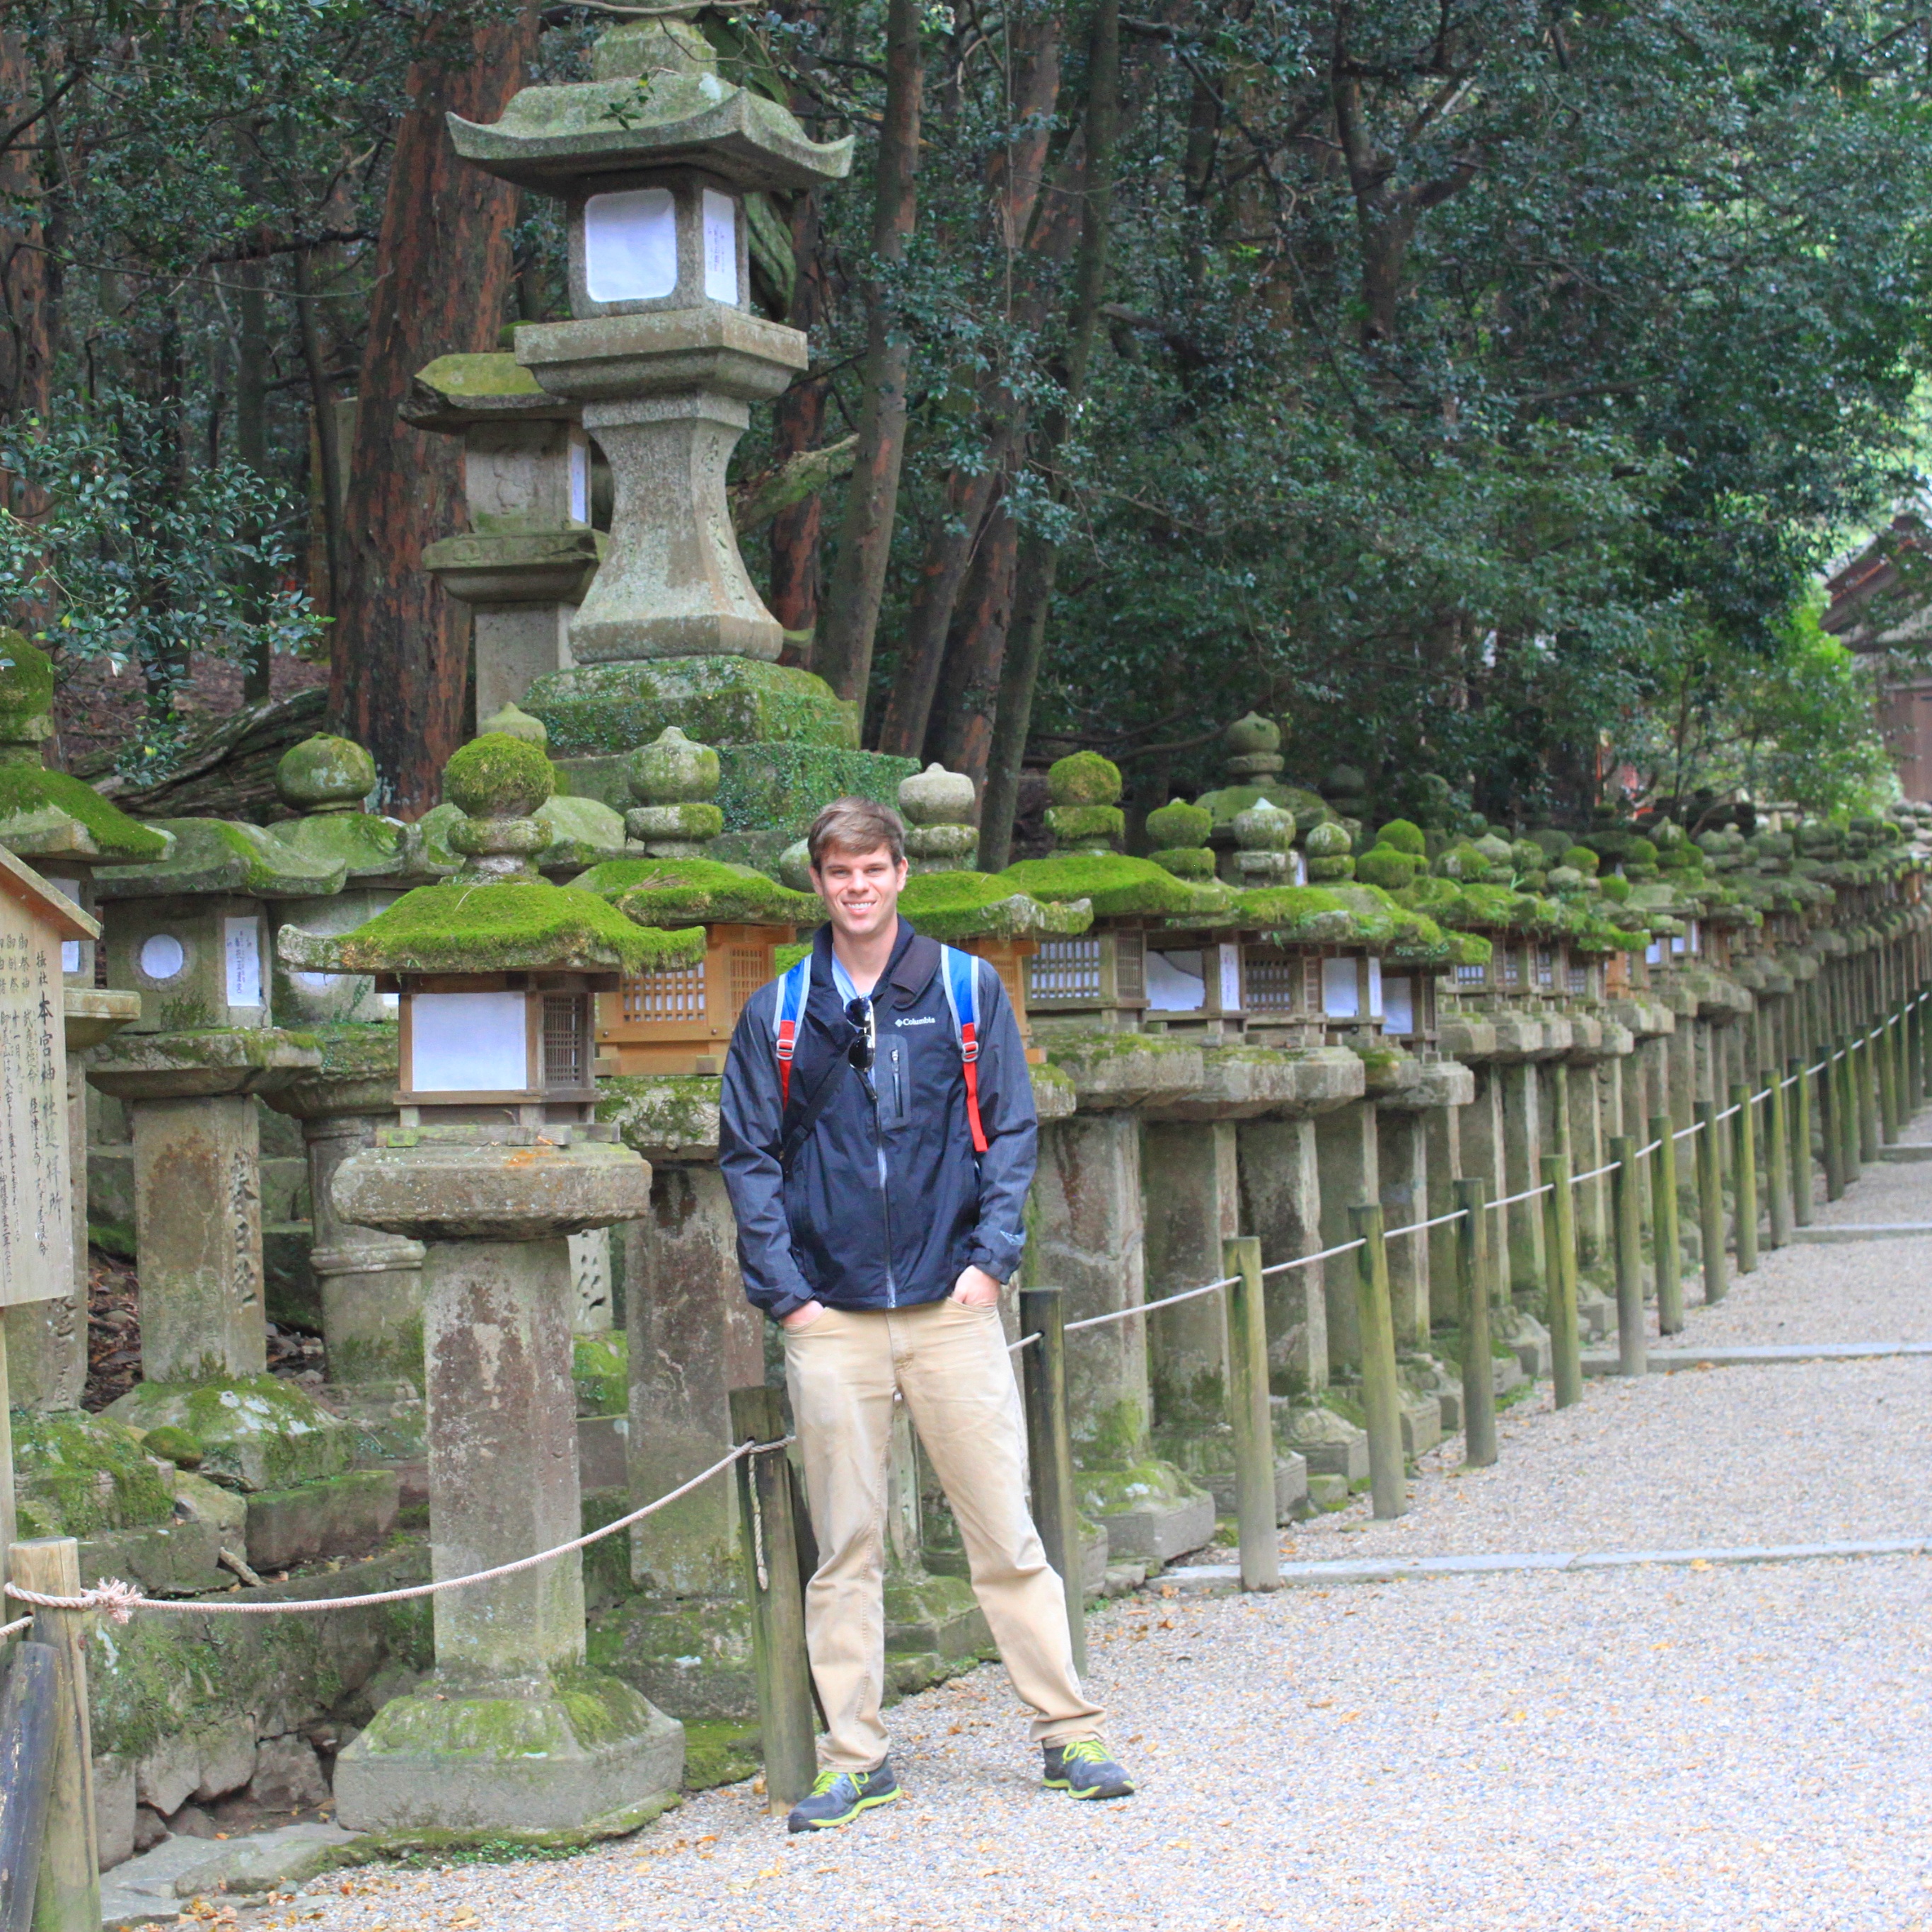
65,829
495,1162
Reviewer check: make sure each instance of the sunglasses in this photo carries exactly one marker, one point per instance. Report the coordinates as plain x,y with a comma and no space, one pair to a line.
858,1017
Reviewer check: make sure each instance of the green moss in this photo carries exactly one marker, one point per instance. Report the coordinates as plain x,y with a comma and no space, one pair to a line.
359,841
1112,884
174,1445
1185,862
1179,825
498,776
517,926
779,789
1306,915
721,1751
721,701
1087,824
186,1012
684,891
36,806
600,1371
952,907
75,1475
256,1431
1404,836
784,957
1386,866
1614,889
324,770
459,376
1085,777
26,690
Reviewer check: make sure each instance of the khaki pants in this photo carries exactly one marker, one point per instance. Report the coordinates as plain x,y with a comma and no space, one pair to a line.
950,1363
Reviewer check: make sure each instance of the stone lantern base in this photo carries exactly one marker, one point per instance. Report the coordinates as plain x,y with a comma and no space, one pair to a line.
539,1759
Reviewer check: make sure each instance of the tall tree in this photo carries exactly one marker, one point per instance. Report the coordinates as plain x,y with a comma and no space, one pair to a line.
444,268
843,655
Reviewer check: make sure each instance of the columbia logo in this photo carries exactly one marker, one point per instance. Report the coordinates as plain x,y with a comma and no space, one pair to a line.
923,1019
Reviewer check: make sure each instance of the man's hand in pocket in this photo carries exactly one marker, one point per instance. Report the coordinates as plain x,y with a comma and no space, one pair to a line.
802,1316
975,1288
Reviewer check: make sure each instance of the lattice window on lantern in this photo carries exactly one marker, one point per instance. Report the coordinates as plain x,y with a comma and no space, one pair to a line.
566,1066
1579,979
1129,966
1274,979
675,993
1545,970
1467,975
1064,969
1512,961
747,968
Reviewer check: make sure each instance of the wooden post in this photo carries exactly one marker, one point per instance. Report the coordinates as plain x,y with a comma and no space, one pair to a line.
1867,1096
1777,1160
1633,1347
1800,1140
768,1539
1831,1123
1669,1257
1249,1415
1050,1450
1708,1164
1887,1041
1922,1091
1472,1286
29,1718
1849,1109
1559,1241
1744,1177
1388,1481
67,1895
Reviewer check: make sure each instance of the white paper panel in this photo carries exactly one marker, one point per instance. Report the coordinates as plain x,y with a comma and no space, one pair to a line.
162,955
1398,1007
467,1043
721,247
630,245
1341,993
242,961
580,477
1176,982
1230,978
1375,989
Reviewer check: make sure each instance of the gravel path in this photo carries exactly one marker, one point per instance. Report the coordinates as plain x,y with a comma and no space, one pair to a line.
1738,1750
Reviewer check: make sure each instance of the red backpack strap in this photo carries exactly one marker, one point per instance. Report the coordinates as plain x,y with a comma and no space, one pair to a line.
794,984
961,972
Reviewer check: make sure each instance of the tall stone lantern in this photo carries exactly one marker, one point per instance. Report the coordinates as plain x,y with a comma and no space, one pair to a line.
496,1160
652,158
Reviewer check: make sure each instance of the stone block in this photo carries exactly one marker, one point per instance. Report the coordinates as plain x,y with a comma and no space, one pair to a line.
166,1560
114,1810
1332,1444
256,1433
165,1778
925,1612
227,1760
287,1775
1327,1493
1421,1426
1151,1512
151,1889
600,1764
340,1516
110,1185
691,1657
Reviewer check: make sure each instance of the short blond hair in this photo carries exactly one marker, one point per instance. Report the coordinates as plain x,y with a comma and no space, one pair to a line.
856,825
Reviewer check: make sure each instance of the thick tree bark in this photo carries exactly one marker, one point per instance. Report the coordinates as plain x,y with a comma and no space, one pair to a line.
328,434
844,652
976,651
28,271
798,422
1039,558
399,660
251,439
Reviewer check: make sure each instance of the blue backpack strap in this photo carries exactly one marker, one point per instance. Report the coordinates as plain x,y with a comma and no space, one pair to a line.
794,984
961,973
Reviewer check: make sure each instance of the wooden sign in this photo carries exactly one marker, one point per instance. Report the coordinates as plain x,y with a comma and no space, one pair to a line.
36,1202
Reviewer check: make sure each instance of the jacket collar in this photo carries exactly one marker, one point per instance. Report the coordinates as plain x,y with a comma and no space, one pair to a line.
909,971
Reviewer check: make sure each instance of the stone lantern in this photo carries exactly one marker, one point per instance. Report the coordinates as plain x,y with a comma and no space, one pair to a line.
652,158
495,1162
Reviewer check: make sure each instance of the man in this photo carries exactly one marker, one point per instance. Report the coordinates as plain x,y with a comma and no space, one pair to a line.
869,1228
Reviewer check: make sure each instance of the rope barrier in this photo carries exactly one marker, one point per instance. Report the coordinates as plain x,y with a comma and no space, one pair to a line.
1685,1133
1014,1348
1148,1307
1644,1153
1595,1174
1417,1227
120,1600
1730,1110
1527,1194
1306,1261
16,1626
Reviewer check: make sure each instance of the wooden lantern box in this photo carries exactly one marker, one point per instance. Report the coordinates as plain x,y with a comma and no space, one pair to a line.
478,1049
1097,979
1009,958
680,1020
1194,982
1297,995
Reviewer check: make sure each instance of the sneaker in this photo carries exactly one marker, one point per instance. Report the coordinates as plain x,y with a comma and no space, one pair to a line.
838,1797
1084,1770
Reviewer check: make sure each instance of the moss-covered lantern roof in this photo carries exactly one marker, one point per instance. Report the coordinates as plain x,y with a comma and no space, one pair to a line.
951,906
688,891
1114,886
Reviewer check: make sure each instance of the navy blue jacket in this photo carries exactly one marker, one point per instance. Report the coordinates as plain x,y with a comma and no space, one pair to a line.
885,1203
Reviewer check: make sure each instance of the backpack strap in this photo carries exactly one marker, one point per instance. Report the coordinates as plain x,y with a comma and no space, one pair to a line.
961,972
794,984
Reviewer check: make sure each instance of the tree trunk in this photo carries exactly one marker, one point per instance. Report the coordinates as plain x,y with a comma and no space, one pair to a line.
844,653
27,270
400,660
798,422
251,444
970,688
1038,559
327,430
